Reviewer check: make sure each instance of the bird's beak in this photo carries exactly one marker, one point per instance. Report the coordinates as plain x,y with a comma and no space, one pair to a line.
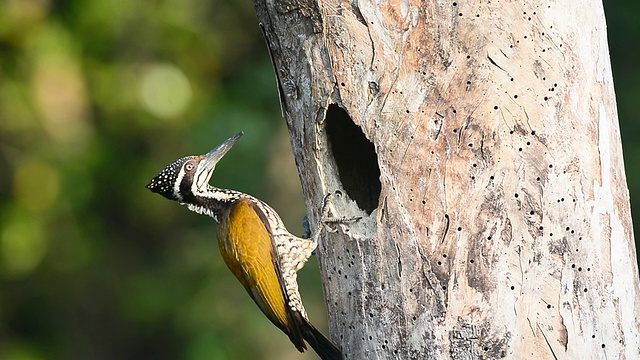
208,164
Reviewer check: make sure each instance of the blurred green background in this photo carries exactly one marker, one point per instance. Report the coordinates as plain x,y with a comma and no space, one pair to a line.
95,98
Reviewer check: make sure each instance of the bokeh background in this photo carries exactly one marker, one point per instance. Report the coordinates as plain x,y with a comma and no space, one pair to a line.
96,96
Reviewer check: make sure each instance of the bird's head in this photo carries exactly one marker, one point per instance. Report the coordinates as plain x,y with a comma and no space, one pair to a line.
187,178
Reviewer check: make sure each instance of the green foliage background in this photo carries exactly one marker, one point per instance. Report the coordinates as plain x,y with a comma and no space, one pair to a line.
95,98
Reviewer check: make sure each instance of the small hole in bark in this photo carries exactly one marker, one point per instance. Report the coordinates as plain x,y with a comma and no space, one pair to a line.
459,228
495,107
531,212
585,290
491,177
603,346
513,287
355,158
439,263
455,130
516,195
573,266
472,261
548,306
489,237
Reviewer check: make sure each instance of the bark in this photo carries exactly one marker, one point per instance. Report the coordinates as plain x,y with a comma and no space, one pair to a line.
479,141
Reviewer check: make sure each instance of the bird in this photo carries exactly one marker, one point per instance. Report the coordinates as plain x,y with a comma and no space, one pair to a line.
254,243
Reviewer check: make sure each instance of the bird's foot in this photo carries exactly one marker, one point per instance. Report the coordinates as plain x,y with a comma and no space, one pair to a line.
325,219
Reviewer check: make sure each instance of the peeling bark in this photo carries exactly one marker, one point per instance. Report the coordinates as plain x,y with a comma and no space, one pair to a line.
480,143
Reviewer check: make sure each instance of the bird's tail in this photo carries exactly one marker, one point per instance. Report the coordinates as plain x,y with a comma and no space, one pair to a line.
320,344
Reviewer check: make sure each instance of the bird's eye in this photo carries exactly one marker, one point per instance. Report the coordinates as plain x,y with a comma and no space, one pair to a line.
189,166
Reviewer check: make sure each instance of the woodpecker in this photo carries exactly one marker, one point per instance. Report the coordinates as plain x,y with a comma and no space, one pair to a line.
253,241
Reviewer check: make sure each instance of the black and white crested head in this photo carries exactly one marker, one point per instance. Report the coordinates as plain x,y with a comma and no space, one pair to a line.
186,180
167,182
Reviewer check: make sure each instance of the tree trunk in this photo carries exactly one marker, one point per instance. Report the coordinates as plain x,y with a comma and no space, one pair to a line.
479,141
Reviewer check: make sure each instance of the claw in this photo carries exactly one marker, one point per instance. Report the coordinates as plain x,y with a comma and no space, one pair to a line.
325,219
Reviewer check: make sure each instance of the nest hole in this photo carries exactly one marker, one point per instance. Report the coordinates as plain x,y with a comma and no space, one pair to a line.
355,157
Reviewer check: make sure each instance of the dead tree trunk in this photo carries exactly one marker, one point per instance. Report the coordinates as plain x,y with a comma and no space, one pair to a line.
479,140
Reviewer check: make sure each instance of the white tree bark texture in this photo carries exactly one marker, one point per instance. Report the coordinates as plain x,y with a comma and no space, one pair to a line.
479,141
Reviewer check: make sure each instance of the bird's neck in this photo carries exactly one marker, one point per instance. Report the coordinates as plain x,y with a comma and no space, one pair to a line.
213,200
